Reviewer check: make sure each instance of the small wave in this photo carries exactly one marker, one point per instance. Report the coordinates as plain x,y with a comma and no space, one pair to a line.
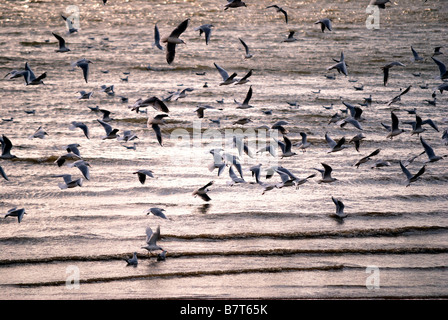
197,273
316,234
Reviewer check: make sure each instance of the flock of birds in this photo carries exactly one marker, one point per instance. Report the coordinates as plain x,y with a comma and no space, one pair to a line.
221,158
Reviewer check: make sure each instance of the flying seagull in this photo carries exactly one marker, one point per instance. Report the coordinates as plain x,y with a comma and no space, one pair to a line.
77,124
335,146
111,133
244,79
386,70
157,212
202,192
442,68
247,54
279,9
68,181
367,158
410,177
151,240
234,4
62,47
226,79
325,24
14,212
245,104
430,152
84,65
142,174
154,124
291,37
173,39
340,66
205,29
415,56
339,208
157,38
394,130
70,26
326,174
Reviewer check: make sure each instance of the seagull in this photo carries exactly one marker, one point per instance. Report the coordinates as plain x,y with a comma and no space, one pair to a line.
367,158
430,152
386,70
244,79
290,37
83,166
132,261
39,133
68,182
279,9
151,240
217,162
357,140
325,24
242,121
70,27
442,68
156,211
200,110
84,95
326,174
394,130
6,148
380,3
286,148
256,171
304,144
154,124
62,47
398,97
68,156
245,104
340,66
28,74
339,208
3,174
410,177
128,135
202,192
437,51
110,132
442,87
157,38
418,123
234,177
335,147
415,56
14,212
234,4
411,159
205,29
80,125
173,39
226,79
142,174
84,65
247,54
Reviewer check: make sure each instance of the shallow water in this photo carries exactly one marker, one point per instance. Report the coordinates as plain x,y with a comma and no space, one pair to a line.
241,244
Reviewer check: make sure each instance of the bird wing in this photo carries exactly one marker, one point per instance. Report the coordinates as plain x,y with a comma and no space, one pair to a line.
442,67
156,129
180,29
170,52
248,96
330,141
405,171
222,72
429,151
107,127
245,45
